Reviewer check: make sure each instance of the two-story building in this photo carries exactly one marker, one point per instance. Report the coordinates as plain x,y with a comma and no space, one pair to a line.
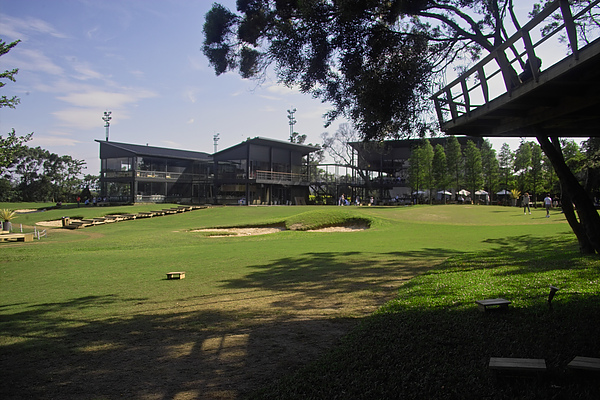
256,171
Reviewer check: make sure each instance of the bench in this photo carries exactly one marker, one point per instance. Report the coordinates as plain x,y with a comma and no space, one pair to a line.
585,364
518,365
484,304
76,225
145,214
176,275
16,237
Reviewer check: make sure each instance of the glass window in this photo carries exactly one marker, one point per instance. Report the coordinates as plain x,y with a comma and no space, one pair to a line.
117,164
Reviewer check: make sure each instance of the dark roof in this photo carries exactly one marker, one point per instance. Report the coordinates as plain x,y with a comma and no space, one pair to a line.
157,151
260,141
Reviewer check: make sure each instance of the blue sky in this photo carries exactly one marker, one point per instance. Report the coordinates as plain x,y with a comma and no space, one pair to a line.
142,60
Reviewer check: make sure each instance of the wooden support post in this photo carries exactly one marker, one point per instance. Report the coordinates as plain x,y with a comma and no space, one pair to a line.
465,90
483,83
565,8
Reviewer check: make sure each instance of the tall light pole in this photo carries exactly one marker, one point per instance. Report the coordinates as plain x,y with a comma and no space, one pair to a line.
292,122
106,120
215,140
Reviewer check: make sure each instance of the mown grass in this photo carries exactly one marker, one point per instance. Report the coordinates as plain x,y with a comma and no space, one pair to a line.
71,304
431,342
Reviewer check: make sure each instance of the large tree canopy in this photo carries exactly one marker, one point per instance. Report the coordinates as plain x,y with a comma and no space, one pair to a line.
373,60
357,55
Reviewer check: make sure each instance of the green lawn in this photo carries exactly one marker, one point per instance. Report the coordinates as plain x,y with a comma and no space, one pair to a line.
81,308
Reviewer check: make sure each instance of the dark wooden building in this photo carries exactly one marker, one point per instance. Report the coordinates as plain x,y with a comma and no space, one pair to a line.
257,171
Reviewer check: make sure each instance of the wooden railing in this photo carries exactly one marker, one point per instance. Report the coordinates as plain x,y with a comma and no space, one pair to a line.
158,174
280,176
479,85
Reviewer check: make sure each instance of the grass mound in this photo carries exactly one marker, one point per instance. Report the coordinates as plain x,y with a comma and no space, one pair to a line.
318,219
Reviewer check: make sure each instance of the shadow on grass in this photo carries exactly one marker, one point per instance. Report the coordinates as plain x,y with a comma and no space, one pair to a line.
339,271
432,342
442,354
56,350
48,353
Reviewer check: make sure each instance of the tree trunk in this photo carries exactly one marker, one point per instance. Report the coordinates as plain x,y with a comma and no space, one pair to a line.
585,245
510,76
587,229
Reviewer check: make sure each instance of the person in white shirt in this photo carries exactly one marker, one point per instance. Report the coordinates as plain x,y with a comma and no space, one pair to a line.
548,204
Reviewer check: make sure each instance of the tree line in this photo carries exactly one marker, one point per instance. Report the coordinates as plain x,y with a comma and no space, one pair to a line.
527,169
35,174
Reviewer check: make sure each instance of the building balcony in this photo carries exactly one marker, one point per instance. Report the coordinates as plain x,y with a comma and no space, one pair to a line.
281,178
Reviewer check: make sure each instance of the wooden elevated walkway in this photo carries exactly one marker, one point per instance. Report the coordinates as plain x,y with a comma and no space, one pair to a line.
561,99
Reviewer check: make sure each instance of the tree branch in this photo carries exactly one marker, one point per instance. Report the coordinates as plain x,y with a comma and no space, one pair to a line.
477,36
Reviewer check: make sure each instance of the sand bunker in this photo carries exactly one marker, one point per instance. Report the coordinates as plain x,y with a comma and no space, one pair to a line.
250,231
240,231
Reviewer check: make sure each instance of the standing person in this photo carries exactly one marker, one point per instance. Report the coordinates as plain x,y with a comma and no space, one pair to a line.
548,204
526,203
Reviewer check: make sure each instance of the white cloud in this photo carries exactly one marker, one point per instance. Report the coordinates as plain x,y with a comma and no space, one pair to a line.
262,96
106,99
171,144
49,141
83,118
20,28
282,90
190,94
87,106
86,72
190,121
137,73
197,63
33,60
313,113
91,33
